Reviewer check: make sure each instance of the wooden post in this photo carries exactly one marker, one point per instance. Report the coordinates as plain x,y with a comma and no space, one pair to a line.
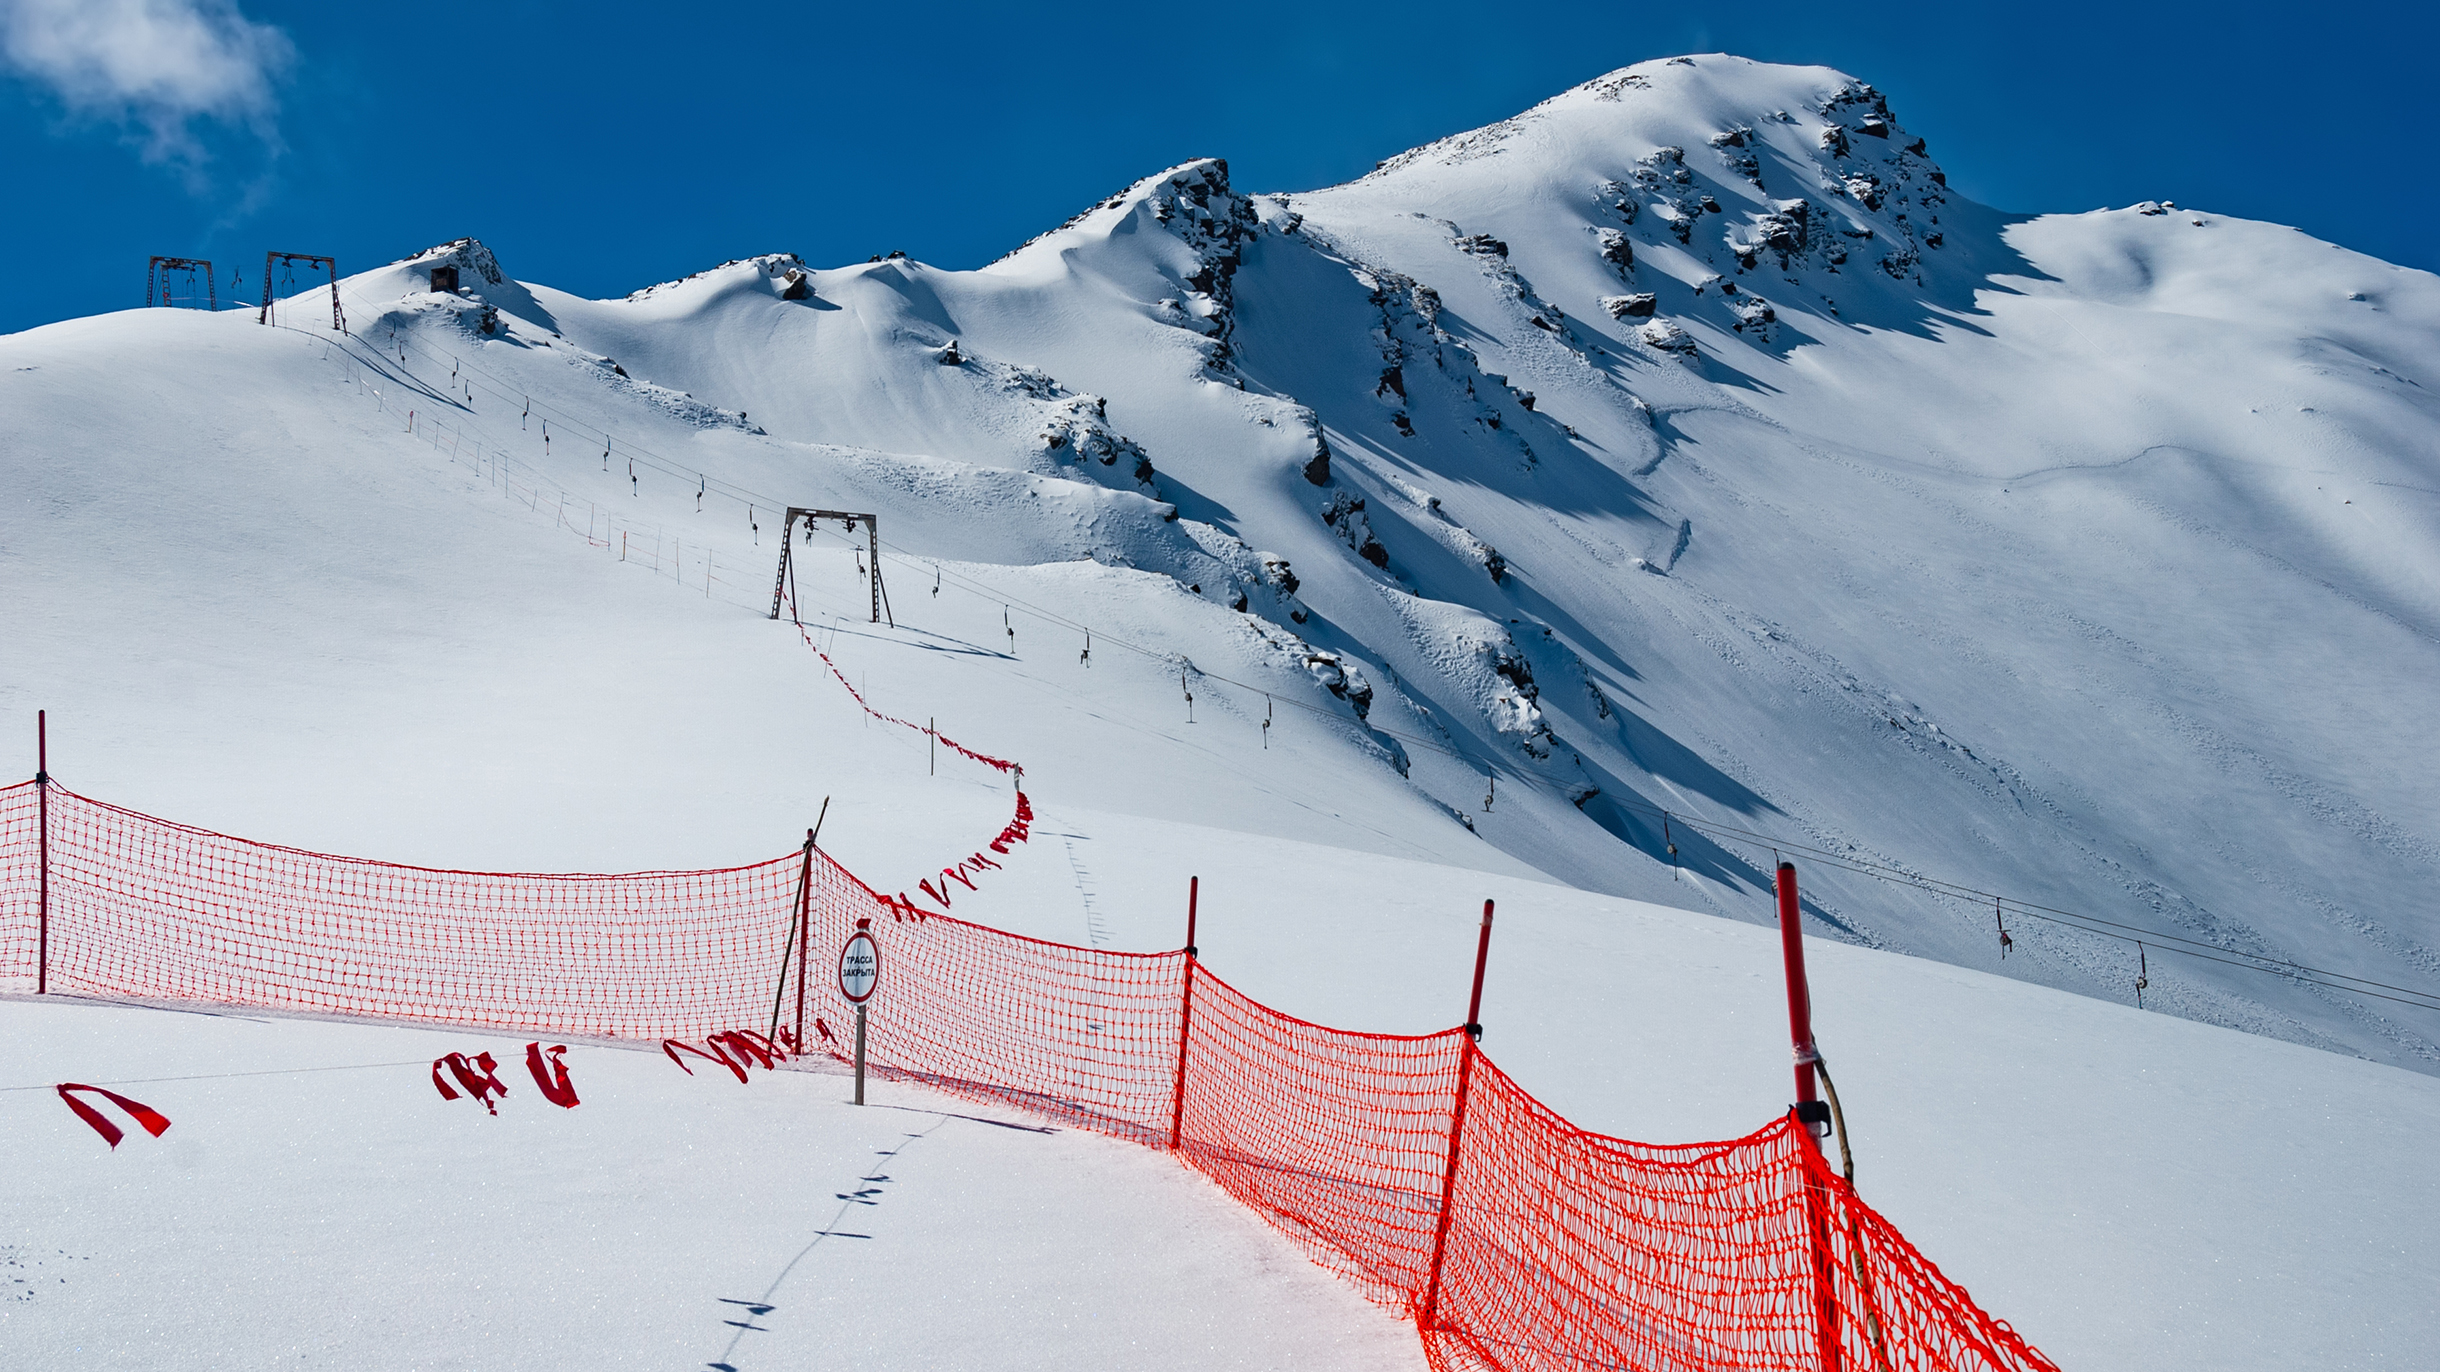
1429,1319
42,848
779,989
1186,1014
804,933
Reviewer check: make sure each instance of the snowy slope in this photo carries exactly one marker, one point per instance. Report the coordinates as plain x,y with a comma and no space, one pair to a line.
2086,558
665,1221
2130,1190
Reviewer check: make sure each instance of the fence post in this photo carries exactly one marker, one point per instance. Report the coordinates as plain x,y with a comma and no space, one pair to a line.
1813,1114
1810,1109
42,849
787,945
1186,1014
1457,1126
804,935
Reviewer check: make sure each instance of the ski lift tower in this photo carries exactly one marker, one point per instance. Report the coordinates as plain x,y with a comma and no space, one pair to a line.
338,318
156,280
850,519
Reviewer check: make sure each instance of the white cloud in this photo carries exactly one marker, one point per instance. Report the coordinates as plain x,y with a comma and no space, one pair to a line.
158,64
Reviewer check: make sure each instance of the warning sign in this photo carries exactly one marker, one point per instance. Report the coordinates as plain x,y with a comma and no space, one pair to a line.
859,968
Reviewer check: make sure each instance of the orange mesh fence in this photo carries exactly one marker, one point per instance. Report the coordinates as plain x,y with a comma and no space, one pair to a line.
144,907
1085,1035
1339,1139
1556,1248
20,876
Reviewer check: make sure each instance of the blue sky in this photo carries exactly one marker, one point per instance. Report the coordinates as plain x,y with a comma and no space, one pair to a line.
604,147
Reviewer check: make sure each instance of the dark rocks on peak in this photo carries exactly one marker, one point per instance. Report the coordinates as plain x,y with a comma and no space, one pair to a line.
466,254
1666,337
1275,570
1345,513
1637,306
1834,140
1317,467
1873,126
1617,250
1483,244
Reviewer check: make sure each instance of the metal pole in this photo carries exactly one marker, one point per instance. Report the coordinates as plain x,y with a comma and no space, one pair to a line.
42,845
859,1055
1813,1114
1800,1008
1457,1123
779,584
872,543
1186,1013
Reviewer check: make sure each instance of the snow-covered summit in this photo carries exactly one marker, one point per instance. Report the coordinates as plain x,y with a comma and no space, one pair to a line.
1682,446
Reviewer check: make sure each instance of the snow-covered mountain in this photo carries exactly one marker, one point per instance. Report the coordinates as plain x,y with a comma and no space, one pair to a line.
1679,450
1682,444
1677,445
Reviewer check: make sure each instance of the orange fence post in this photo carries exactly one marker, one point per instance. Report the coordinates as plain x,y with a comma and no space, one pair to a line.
1186,1014
1811,1112
1457,1125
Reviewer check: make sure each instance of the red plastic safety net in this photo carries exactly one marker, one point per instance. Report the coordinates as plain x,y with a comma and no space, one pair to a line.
1411,1165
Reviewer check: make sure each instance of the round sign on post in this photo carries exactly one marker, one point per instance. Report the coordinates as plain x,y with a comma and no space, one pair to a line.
859,974
859,968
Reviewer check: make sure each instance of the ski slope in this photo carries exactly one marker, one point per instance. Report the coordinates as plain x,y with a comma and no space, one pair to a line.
2086,558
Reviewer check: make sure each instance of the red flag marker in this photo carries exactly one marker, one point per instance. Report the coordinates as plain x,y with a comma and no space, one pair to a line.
153,1121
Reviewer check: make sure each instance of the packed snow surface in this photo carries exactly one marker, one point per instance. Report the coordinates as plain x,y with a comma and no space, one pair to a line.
1682,444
